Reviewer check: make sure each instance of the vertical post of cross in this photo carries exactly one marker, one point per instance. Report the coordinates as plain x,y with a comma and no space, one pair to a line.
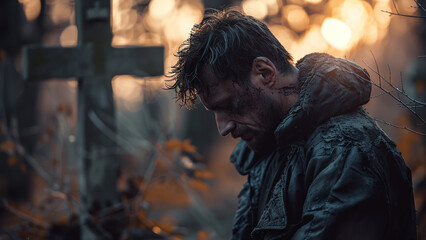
94,62
99,166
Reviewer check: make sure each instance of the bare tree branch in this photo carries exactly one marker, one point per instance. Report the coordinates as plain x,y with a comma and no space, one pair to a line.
420,6
393,87
23,216
394,5
412,105
400,127
403,15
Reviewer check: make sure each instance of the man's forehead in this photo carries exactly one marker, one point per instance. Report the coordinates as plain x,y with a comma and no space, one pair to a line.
207,76
215,90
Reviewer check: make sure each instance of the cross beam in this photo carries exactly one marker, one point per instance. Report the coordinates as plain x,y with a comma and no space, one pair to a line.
40,63
93,62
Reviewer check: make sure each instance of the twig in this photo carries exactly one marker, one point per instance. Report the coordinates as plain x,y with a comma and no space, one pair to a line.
379,95
418,4
395,97
114,136
24,216
34,164
390,74
92,225
403,15
394,5
71,201
393,87
401,127
377,66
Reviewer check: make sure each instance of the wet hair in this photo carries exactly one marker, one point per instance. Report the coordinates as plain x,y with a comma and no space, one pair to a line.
228,41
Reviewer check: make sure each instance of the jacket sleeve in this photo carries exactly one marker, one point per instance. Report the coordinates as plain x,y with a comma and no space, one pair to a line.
345,197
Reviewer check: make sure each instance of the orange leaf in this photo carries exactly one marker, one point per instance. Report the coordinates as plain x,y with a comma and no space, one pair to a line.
8,146
63,221
62,108
199,185
22,167
173,145
203,174
160,163
178,237
420,86
203,235
156,229
12,160
186,146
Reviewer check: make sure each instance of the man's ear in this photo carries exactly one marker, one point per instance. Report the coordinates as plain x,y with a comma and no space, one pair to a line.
263,72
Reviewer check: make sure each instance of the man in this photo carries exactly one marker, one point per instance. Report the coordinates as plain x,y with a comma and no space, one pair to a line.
318,166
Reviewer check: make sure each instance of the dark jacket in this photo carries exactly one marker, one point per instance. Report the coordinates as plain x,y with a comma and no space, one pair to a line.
334,174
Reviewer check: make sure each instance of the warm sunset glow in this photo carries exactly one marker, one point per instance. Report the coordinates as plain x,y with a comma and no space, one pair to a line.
69,36
371,34
336,33
358,16
160,8
60,13
313,1
334,26
353,12
188,15
32,8
156,230
273,7
125,19
284,35
127,88
296,17
382,18
255,8
311,41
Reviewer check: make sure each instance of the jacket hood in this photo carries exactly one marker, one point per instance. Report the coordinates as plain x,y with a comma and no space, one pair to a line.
329,87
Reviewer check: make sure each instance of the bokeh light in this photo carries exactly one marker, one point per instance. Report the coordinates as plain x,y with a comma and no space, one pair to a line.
255,8
128,89
160,8
61,13
336,33
313,1
32,8
69,36
296,17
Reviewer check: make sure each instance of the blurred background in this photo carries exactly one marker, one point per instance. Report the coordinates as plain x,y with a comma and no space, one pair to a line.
186,188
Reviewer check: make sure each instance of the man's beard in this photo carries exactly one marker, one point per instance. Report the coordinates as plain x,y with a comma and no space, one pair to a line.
270,114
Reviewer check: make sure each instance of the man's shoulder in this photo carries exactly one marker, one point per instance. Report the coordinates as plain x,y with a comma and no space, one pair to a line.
352,140
355,129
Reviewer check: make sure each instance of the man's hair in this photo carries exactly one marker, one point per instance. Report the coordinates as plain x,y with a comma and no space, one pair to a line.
229,42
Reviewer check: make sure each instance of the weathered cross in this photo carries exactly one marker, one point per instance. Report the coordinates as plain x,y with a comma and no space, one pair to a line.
94,62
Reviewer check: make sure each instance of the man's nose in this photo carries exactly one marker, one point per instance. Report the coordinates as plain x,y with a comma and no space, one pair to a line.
224,125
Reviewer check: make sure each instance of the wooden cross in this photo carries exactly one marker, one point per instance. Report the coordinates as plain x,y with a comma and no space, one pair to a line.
94,62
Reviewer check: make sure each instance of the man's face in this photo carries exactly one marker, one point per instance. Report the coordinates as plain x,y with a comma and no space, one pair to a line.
244,112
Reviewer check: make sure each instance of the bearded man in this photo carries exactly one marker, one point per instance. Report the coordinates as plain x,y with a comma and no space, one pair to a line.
318,166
